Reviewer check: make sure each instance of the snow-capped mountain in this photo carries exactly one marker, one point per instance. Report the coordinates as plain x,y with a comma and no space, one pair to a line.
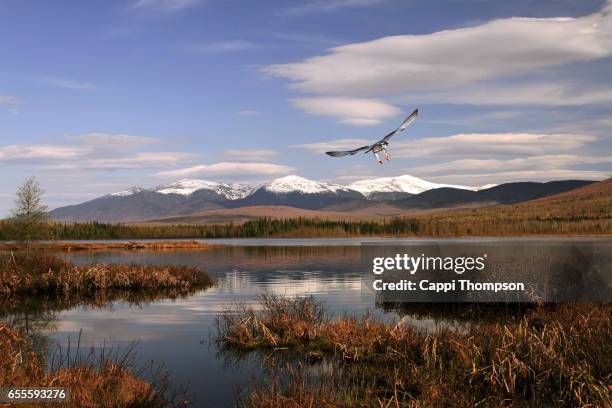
302,185
296,191
187,187
393,187
190,196
295,184
129,191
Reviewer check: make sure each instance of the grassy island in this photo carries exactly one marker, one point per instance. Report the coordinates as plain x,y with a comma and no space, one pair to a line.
552,355
42,274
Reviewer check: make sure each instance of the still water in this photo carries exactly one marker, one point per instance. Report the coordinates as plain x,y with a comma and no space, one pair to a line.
177,333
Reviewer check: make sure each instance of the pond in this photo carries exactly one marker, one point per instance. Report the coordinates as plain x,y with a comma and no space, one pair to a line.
177,333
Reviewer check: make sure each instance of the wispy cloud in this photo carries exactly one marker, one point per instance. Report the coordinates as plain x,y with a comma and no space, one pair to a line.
497,157
40,152
222,46
461,65
491,144
563,92
94,151
246,169
113,139
249,112
319,6
501,176
306,38
340,144
533,163
145,160
69,84
251,154
9,99
474,144
352,111
164,5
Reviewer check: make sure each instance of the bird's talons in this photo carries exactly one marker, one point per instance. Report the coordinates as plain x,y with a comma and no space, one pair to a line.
380,162
387,157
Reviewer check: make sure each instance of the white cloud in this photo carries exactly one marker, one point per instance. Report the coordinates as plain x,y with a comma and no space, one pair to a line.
14,111
560,93
526,175
94,151
544,163
404,63
113,140
458,65
251,154
41,152
229,168
69,84
352,111
141,160
9,99
492,144
164,5
249,112
339,144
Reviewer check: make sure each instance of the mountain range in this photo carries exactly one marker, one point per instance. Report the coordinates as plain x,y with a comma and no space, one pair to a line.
187,197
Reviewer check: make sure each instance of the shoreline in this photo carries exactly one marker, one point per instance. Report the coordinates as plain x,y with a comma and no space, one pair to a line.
100,245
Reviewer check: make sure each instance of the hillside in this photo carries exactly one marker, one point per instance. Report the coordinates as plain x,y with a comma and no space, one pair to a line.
585,210
373,211
508,193
201,201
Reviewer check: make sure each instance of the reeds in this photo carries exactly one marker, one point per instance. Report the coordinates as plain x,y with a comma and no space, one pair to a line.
93,381
552,356
42,274
281,322
91,246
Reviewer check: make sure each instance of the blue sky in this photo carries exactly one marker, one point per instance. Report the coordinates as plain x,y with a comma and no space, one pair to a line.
99,96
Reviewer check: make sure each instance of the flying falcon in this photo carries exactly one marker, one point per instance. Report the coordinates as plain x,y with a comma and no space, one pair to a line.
381,145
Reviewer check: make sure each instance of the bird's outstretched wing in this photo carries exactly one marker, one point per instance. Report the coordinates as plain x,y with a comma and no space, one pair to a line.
403,126
347,152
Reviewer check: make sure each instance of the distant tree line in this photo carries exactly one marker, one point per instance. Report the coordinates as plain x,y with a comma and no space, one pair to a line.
261,227
436,225
28,222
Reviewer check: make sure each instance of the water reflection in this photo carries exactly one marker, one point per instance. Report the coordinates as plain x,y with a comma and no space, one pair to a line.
176,332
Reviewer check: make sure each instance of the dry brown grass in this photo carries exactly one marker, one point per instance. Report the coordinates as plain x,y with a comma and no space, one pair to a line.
91,383
38,273
281,322
91,246
554,355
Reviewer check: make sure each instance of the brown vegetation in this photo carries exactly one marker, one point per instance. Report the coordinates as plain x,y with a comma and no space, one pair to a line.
91,383
90,246
552,355
41,274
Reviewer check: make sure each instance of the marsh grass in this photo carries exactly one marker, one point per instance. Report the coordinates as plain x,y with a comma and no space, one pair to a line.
551,355
280,322
41,274
109,245
106,378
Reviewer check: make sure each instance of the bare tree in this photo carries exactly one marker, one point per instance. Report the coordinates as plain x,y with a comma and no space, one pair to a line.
29,214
